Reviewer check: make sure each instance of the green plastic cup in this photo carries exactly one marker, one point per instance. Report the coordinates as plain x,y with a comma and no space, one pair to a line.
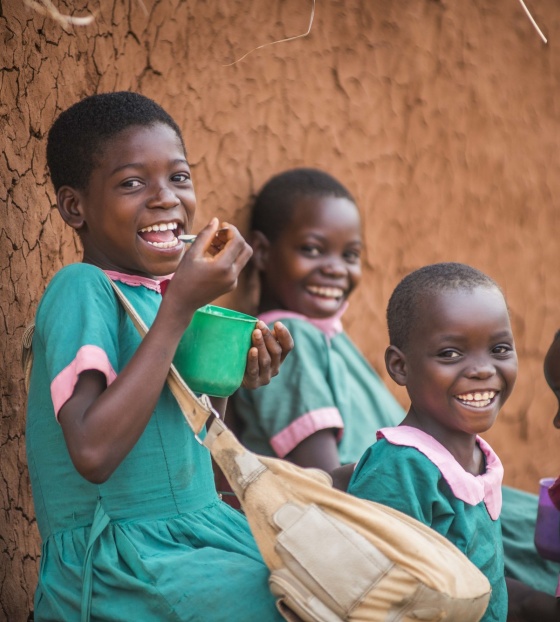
212,354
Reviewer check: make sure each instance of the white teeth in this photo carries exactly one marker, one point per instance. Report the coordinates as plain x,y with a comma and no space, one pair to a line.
326,292
478,400
162,226
170,244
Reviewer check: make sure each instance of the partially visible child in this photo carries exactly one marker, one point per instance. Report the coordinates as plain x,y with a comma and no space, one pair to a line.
307,247
131,525
552,376
452,347
528,605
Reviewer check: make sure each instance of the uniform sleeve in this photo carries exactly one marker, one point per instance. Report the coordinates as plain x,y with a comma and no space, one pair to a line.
77,323
402,478
298,401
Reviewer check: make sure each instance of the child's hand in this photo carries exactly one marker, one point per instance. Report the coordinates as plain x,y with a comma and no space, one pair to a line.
269,349
528,605
209,268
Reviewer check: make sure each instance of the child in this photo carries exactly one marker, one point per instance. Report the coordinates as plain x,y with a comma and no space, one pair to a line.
529,605
131,524
453,349
323,408
307,247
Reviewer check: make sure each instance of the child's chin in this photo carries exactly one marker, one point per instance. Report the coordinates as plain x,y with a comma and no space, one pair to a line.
325,307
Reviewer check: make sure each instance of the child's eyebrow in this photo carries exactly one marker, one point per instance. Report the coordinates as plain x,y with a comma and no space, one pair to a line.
142,165
324,238
502,334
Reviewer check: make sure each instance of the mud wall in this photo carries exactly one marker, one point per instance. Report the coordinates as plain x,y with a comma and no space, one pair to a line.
440,116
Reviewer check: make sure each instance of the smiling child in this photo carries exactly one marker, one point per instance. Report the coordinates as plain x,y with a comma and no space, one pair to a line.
452,347
131,524
307,249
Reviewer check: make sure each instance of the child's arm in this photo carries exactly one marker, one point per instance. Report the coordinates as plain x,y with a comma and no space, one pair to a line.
528,605
342,475
101,424
318,450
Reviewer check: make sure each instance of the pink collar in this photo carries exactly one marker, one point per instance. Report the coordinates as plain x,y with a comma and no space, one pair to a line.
330,326
471,489
158,285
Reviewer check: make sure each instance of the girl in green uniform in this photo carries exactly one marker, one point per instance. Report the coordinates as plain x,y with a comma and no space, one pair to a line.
131,525
452,347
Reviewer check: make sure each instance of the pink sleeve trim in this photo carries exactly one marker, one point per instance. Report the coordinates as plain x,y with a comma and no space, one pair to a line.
471,489
87,357
321,419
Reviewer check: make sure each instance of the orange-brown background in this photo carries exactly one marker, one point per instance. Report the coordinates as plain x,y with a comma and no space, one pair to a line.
441,117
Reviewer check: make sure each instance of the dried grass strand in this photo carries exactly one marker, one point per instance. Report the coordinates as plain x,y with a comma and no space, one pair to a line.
143,7
264,45
46,7
533,21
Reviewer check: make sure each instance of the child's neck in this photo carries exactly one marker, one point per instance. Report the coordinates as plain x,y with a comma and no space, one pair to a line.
461,445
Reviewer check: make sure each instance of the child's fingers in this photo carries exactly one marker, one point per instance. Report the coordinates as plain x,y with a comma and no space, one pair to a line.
270,350
284,339
204,238
251,377
220,239
230,247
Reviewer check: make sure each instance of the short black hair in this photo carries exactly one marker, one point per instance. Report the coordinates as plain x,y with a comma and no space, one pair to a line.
273,205
402,310
77,137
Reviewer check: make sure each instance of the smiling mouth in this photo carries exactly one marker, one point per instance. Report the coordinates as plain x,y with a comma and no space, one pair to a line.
478,399
334,293
161,235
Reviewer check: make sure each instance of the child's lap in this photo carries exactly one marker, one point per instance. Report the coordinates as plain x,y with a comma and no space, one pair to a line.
206,569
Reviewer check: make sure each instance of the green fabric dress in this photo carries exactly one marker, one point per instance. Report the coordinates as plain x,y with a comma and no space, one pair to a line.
154,542
325,383
425,482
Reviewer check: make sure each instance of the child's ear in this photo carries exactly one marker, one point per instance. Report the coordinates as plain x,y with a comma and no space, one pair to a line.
395,362
68,201
260,245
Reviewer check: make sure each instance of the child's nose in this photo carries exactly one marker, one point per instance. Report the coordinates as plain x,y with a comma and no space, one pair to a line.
481,368
163,197
334,266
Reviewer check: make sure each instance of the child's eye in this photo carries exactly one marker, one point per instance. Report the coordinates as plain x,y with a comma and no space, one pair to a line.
502,349
449,354
310,251
131,183
352,256
181,177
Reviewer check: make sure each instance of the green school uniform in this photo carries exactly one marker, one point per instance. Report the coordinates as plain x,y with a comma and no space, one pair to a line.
153,542
410,471
325,383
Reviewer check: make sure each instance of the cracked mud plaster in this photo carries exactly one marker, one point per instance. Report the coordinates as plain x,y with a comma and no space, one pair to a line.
440,117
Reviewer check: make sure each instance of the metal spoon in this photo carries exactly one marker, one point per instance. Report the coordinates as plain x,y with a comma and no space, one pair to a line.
189,238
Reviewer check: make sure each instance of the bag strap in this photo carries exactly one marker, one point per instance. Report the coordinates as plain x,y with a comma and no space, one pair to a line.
195,410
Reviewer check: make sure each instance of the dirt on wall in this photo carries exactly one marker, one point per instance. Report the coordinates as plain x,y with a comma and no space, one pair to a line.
440,116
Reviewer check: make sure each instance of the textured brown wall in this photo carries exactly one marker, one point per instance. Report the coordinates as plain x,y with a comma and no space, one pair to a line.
440,116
